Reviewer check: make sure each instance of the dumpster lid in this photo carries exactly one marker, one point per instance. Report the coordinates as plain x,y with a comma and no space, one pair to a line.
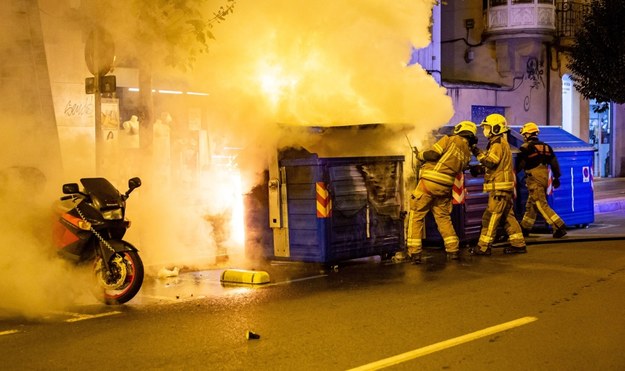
559,139
359,140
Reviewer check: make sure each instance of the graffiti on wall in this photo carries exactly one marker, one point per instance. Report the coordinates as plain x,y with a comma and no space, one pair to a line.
534,74
76,108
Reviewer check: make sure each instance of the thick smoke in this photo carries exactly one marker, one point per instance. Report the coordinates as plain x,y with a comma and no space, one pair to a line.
278,65
33,280
321,63
275,65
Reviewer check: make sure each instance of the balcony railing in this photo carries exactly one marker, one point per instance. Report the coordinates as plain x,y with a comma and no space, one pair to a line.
514,16
569,17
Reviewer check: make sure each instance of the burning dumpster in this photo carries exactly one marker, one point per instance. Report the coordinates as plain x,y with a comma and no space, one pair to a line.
327,209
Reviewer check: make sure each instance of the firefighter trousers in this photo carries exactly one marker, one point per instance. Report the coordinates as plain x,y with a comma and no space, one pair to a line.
500,211
537,200
420,204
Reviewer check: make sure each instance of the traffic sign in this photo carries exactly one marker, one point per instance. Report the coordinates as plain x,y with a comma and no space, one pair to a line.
99,51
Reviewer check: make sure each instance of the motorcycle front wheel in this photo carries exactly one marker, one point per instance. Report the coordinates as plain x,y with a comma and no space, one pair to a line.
122,281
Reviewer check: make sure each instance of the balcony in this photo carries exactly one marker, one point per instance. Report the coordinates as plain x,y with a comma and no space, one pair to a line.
506,19
569,17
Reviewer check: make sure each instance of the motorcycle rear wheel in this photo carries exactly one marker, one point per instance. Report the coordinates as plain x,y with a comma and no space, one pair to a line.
124,279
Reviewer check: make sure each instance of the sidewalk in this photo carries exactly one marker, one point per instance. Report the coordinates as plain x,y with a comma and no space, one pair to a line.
609,194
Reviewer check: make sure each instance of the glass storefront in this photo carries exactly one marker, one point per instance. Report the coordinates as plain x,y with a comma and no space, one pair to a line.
600,136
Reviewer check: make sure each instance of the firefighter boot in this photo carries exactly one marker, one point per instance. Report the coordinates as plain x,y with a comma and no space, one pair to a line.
559,233
415,258
454,255
414,255
477,250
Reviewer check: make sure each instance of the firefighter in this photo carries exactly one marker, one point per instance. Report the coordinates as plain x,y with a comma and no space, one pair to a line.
535,158
499,182
441,164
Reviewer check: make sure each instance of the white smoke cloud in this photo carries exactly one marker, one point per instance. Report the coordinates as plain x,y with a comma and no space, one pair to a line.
320,63
274,64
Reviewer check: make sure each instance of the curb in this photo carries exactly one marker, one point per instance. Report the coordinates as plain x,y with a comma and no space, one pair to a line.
608,205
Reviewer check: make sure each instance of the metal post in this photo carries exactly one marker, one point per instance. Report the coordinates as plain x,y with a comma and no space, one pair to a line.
98,108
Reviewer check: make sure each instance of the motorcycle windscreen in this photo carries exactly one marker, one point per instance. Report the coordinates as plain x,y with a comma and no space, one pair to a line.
103,193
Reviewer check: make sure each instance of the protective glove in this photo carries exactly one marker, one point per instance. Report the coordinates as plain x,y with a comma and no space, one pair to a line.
416,152
475,150
476,170
556,182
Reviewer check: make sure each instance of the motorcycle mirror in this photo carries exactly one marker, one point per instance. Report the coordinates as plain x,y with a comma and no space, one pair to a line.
134,183
70,188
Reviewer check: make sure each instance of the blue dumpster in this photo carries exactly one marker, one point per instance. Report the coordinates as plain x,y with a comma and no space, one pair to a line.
344,208
327,209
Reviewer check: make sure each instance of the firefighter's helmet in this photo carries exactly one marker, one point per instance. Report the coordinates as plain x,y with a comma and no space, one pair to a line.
497,123
530,129
465,126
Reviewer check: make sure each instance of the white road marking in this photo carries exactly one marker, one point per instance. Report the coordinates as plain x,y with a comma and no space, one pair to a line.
383,363
8,332
82,317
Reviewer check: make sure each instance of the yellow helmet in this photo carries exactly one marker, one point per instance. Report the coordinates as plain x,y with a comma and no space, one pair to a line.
530,128
497,123
465,126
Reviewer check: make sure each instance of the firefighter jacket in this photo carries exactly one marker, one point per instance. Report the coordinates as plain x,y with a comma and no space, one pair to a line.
497,159
444,160
535,153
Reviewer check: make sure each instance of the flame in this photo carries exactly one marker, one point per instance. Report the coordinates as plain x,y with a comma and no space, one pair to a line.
275,83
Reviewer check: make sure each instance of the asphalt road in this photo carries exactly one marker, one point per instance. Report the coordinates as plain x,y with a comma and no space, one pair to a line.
559,307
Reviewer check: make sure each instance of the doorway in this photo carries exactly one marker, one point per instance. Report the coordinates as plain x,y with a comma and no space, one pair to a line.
600,137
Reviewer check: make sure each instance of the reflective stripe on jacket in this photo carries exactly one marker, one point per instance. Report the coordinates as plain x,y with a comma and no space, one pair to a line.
497,160
453,155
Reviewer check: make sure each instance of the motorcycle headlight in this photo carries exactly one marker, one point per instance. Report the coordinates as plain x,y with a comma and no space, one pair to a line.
113,214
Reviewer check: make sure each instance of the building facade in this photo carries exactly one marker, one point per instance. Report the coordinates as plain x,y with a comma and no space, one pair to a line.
510,57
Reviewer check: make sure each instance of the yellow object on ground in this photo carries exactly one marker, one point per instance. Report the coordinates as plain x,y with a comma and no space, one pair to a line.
244,276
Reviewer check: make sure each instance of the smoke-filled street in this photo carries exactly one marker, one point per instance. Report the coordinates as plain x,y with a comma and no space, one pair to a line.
151,147
213,130
557,307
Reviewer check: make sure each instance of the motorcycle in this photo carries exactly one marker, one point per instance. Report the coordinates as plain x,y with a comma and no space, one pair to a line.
90,230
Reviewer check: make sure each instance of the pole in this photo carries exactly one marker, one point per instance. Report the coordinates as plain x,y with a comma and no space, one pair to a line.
99,136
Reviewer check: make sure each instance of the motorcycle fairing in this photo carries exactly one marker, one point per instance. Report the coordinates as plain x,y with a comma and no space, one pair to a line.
103,194
68,237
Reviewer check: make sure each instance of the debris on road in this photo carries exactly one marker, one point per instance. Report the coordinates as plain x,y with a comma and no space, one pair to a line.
164,272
